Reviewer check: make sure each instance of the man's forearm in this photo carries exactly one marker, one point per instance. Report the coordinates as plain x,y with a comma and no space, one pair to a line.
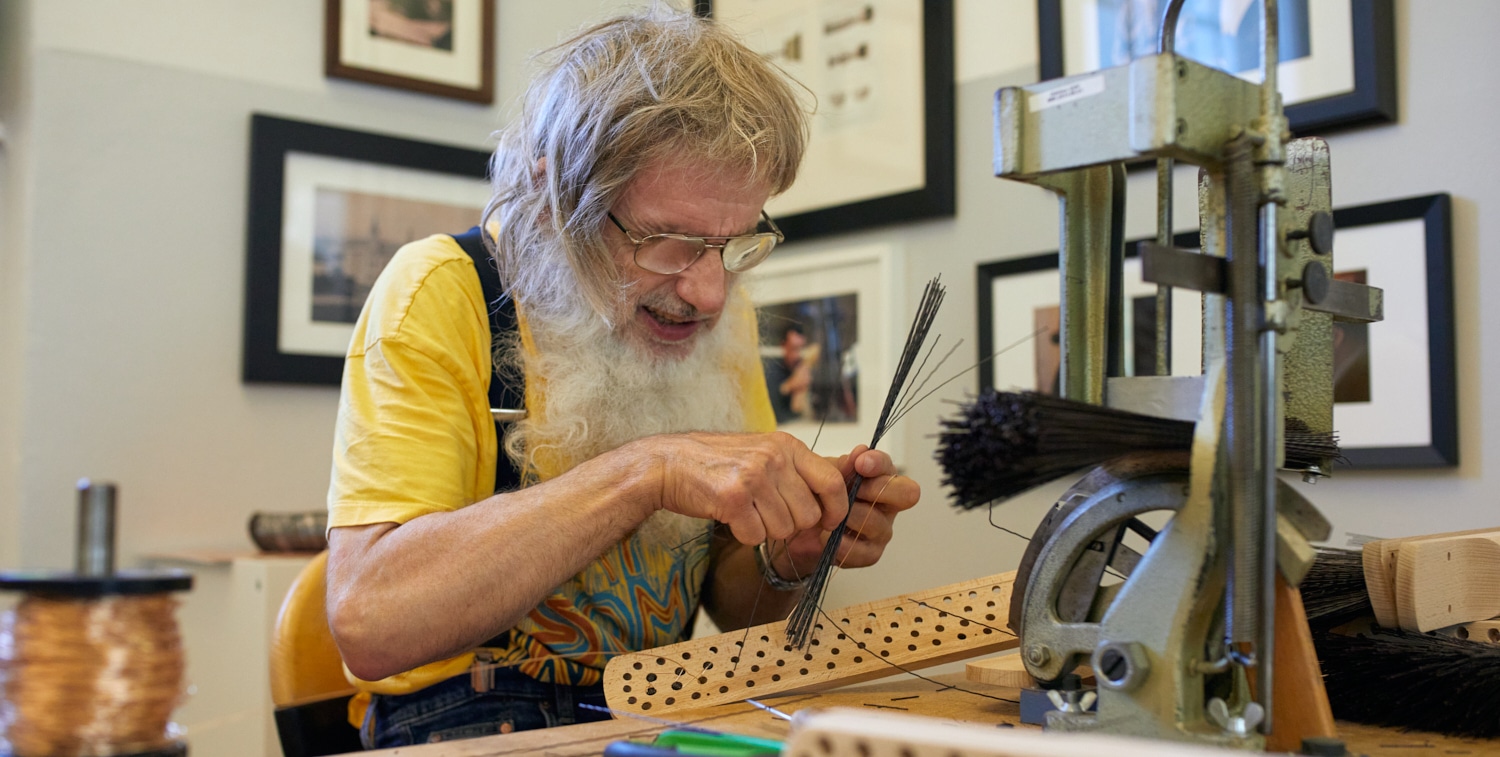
438,585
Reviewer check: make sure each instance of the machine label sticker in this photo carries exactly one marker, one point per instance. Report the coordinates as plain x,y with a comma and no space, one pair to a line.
1066,93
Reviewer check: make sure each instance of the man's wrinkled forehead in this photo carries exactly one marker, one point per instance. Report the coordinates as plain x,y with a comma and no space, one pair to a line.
662,175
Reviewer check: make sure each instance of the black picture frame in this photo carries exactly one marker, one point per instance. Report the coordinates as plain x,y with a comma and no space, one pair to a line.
1435,211
272,140
1433,262
989,343
937,197
1373,42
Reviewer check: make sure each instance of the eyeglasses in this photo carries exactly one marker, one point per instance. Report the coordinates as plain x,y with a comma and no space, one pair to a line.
674,253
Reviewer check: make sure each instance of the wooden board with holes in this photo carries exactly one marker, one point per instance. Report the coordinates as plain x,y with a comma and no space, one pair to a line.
1446,581
851,645
1483,631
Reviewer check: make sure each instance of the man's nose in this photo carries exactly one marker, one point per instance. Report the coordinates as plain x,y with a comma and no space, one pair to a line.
704,284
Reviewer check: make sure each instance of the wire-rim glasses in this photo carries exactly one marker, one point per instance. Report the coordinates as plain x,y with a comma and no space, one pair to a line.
674,253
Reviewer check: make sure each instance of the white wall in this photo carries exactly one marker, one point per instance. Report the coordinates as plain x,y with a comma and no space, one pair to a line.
127,269
122,219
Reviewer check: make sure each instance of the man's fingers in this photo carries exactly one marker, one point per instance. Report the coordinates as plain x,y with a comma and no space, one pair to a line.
747,528
826,484
894,492
803,508
869,524
858,553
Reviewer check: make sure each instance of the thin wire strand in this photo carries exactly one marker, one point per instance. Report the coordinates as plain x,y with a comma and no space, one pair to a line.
873,503
1033,335
979,623
913,673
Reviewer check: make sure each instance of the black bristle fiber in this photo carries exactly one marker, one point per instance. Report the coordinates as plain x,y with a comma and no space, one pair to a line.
1005,443
1416,681
1333,592
1390,677
801,622
1305,448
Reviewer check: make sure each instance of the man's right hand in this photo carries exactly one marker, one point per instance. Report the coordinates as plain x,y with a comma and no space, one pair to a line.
762,486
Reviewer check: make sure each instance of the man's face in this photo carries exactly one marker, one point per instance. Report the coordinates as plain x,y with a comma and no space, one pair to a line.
665,314
792,344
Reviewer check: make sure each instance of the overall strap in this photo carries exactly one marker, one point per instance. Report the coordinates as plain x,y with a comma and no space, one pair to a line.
503,394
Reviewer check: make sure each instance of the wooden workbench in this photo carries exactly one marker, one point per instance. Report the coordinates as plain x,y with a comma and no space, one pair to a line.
967,701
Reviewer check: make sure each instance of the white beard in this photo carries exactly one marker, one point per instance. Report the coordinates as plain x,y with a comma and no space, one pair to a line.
602,392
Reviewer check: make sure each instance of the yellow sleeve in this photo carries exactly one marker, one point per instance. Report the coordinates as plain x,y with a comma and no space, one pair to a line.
759,417
414,433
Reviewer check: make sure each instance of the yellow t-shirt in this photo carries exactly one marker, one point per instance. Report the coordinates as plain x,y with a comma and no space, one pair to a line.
415,436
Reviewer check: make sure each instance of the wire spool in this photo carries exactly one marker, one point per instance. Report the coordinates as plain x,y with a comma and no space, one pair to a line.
91,662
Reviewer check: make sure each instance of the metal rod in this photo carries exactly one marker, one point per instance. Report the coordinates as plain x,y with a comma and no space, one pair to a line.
1242,414
1163,292
1269,390
1270,445
1166,44
95,554
1271,58
1167,39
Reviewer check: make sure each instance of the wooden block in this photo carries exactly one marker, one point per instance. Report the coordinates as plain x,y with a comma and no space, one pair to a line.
1006,670
1009,670
1299,701
1446,581
852,645
1379,560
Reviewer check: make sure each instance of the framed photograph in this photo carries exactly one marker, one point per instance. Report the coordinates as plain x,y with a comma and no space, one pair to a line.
328,209
1338,57
829,327
1019,322
1395,385
880,73
440,47
1395,392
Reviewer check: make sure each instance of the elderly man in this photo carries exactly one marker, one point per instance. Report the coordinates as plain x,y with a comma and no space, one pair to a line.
629,195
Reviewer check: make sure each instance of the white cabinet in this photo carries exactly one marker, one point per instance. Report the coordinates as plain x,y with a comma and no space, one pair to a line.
226,623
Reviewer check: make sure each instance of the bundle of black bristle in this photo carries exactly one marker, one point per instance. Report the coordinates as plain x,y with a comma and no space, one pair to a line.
1005,443
1389,677
1305,448
1412,680
1333,592
898,400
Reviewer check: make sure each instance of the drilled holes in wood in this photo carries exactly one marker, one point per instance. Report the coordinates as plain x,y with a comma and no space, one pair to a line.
862,643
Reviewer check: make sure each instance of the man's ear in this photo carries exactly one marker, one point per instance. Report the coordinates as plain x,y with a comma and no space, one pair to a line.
539,170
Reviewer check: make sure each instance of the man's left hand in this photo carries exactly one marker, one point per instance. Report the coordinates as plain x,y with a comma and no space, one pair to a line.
882,495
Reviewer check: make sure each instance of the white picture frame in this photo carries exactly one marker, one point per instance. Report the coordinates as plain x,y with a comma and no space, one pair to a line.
868,272
443,47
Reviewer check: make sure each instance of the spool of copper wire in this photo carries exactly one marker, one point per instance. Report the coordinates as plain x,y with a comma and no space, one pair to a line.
91,662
